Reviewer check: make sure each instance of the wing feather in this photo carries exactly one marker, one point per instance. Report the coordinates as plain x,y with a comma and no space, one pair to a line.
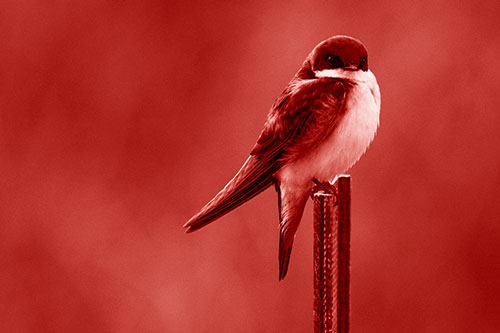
306,112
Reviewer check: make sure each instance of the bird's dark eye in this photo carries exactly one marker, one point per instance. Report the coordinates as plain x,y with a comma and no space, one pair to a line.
363,64
333,61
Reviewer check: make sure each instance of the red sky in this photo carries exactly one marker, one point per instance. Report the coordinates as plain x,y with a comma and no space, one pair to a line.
120,119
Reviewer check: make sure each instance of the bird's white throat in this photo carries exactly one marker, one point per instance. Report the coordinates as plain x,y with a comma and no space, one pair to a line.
340,73
359,76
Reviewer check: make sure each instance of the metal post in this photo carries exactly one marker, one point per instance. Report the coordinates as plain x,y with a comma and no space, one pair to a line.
332,232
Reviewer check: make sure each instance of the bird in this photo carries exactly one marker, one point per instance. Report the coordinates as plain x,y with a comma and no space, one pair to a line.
320,125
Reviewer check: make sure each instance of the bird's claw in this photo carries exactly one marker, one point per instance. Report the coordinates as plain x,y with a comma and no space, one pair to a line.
325,187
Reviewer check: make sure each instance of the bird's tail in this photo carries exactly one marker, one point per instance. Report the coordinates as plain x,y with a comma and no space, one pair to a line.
291,207
253,178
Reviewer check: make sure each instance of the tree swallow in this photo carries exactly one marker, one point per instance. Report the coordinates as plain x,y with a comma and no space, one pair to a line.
320,125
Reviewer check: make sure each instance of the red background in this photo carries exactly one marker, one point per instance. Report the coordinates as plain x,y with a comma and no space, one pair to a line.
120,119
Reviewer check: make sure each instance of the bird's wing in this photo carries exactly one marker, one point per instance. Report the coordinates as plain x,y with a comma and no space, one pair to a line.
304,115
291,125
253,178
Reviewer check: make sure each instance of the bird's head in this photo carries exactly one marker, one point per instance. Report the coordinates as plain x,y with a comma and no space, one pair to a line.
335,53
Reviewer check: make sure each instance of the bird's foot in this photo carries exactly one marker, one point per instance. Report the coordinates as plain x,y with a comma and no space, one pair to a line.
325,187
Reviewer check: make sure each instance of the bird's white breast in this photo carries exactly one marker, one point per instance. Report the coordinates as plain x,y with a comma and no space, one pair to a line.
351,137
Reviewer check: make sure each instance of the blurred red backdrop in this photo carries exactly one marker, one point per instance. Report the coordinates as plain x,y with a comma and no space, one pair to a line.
120,119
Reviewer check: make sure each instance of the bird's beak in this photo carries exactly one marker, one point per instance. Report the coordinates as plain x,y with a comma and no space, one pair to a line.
351,67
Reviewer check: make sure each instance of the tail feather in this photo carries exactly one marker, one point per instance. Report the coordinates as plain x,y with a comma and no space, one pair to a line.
253,178
284,258
292,201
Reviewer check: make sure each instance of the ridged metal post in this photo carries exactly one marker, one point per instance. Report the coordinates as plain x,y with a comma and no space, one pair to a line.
332,233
